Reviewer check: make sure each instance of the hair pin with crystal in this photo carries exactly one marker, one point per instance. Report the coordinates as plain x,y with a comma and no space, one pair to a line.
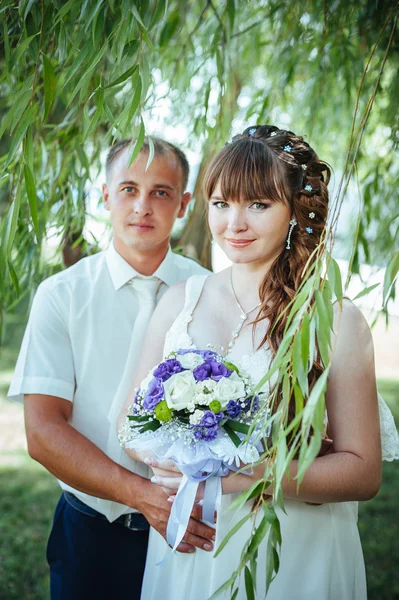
287,148
252,131
273,133
304,167
309,229
308,188
312,215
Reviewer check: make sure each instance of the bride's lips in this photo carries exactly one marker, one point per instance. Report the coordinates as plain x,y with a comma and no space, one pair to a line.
239,243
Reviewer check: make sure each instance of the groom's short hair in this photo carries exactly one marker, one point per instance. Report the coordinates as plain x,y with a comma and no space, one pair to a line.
161,147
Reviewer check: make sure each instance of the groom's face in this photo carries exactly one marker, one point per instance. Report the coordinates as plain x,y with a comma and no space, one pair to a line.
144,204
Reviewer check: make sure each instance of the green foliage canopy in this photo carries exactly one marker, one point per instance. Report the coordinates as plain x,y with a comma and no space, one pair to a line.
75,75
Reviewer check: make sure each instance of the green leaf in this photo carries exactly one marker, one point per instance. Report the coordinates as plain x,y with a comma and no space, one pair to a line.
231,533
316,395
390,276
310,453
6,42
159,13
11,223
50,85
271,516
231,12
152,426
233,436
135,100
32,197
249,584
258,537
14,277
366,291
235,594
235,426
139,143
26,120
21,50
334,276
231,366
122,77
137,16
150,153
255,490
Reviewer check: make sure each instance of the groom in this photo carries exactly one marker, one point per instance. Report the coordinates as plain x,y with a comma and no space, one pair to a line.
78,355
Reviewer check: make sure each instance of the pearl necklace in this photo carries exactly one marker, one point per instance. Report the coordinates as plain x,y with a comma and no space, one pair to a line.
243,316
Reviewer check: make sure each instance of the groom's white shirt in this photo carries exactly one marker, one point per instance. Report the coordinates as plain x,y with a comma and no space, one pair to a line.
76,345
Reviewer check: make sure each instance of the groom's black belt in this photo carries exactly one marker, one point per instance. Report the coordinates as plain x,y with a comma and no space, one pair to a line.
133,521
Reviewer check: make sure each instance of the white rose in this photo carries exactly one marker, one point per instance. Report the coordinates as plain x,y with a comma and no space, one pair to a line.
190,360
196,417
179,390
229,388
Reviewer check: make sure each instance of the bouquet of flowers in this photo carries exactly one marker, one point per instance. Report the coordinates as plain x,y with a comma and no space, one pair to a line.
198,410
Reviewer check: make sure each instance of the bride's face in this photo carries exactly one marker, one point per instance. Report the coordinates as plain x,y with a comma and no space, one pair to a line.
249,232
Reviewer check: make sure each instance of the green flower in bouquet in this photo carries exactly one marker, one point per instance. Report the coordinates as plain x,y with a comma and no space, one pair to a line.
215,406
163,412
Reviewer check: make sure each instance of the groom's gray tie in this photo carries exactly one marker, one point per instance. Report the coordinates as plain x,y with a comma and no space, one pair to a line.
146,289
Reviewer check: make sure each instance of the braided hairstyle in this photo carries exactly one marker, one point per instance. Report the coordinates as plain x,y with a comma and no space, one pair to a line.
265,162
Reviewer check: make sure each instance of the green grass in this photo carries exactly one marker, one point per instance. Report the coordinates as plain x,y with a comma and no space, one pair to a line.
378,520
29,494
27,501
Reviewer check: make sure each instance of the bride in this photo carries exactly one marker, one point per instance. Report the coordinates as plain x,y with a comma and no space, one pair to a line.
267,208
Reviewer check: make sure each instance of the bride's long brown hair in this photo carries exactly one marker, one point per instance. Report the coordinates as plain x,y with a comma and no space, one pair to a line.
265,162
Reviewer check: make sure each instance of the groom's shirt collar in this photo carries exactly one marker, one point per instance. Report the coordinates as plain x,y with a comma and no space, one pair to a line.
121,272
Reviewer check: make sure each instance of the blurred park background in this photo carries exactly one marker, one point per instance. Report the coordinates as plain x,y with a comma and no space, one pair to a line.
74,76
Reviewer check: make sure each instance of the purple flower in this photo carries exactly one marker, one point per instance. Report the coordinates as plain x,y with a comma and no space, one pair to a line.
209,419
252,403
219,370
205,433
233,409
154,394
202,372
166,369
211,369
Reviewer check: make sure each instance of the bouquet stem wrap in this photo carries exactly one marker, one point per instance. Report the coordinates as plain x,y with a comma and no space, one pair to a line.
209,470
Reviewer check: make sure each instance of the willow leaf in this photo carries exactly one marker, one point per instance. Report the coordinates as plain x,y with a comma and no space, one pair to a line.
151,152
21,50
390,275
50,85
32,197
316,395
312,450
122,78
366,291
257,538
231,533
26,120
249,584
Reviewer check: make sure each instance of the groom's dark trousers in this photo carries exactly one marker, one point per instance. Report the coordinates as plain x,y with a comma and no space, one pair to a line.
90,557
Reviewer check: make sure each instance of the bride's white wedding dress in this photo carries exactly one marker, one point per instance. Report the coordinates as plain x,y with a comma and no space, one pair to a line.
321,555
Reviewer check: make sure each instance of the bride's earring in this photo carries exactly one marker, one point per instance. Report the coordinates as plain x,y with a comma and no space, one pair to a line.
293,222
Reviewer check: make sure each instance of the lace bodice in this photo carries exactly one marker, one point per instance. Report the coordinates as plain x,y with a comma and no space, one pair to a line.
256,363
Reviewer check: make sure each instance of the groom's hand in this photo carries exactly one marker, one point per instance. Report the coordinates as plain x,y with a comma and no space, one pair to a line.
153,504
